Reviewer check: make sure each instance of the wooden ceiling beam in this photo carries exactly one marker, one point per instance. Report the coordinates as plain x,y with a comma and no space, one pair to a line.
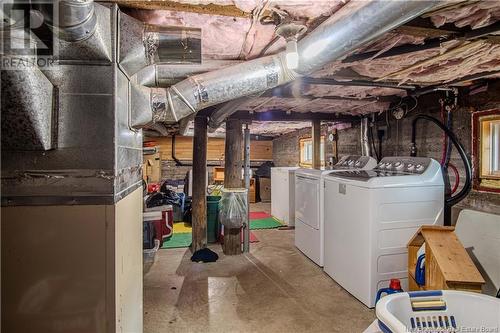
209,9
355,83
280,115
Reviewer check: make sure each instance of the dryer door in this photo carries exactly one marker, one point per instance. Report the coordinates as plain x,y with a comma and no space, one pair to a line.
307,200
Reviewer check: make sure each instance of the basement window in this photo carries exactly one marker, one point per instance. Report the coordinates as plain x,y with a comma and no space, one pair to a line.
487,145
306,152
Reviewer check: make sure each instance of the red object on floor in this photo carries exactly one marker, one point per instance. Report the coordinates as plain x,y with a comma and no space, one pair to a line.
259,215
253,238
153,187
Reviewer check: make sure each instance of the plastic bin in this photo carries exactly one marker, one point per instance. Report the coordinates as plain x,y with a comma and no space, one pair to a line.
438,311
148,235
162,216
212,218
148,255
179,210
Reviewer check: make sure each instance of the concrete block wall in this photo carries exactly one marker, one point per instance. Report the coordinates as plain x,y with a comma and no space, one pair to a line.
286,148
171,171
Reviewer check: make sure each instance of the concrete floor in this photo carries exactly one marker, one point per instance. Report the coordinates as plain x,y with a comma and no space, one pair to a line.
275,288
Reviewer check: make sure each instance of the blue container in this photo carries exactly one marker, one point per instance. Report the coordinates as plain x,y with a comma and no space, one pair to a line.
394,287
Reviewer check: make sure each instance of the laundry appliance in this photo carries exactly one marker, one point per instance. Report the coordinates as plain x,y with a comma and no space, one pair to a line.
283,194
309,204
370,215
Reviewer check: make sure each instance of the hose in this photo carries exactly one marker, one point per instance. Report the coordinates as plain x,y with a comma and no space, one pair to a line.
452,200
457,177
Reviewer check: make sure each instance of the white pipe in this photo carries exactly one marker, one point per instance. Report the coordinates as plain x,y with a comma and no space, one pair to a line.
365,143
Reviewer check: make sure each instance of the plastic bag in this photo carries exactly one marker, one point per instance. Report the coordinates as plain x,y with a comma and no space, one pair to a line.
155,200
233,210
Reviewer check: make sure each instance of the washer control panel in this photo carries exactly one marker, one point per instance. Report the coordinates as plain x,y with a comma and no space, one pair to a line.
413,165
352,162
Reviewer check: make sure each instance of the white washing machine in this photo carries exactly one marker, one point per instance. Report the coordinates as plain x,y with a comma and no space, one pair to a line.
309,207
371,215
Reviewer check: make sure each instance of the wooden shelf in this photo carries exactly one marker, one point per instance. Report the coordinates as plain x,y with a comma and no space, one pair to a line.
447,264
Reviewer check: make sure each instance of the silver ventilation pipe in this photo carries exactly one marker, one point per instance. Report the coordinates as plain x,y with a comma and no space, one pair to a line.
333,39
365,143
225,110
204,90
166,75
71,20
142,45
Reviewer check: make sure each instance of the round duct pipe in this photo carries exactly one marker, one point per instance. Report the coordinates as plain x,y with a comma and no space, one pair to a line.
71,20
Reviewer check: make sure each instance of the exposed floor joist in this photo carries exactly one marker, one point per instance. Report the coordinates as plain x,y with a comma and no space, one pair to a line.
210,9
357,83
429,44
278,115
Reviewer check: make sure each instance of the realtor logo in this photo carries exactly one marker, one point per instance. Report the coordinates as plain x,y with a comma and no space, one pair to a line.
27,39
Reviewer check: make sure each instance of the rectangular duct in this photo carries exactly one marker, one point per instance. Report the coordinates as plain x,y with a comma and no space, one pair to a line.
27,102
98,155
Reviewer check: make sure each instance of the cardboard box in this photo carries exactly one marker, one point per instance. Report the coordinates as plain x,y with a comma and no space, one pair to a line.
251,193
151,168
265,189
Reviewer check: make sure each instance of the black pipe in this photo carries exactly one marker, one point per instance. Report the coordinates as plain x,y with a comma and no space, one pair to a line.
451,200
176,160
380,135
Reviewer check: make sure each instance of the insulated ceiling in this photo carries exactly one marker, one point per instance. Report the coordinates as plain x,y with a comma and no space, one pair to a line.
240,30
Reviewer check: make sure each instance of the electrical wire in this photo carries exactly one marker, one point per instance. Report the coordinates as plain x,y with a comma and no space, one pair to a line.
445,137
373,144
448,143
457,177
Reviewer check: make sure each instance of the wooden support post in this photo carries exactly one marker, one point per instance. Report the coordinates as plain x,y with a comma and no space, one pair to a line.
246,173
199,203
316,139
232,179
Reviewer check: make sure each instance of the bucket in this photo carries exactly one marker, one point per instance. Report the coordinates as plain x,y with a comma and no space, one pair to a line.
212,217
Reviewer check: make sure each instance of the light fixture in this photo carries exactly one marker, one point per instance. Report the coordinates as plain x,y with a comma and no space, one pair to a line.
292,55
291,32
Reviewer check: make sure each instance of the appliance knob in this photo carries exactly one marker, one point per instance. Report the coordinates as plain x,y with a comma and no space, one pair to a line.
381,165
410,167
351,163
399,166
420,167
388,165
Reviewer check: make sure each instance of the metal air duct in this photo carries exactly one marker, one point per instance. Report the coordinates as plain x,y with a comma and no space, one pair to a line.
27,103
142,45
72,21
355,24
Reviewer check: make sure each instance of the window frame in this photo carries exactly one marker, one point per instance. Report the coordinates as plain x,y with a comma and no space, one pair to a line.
302,142
482,182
